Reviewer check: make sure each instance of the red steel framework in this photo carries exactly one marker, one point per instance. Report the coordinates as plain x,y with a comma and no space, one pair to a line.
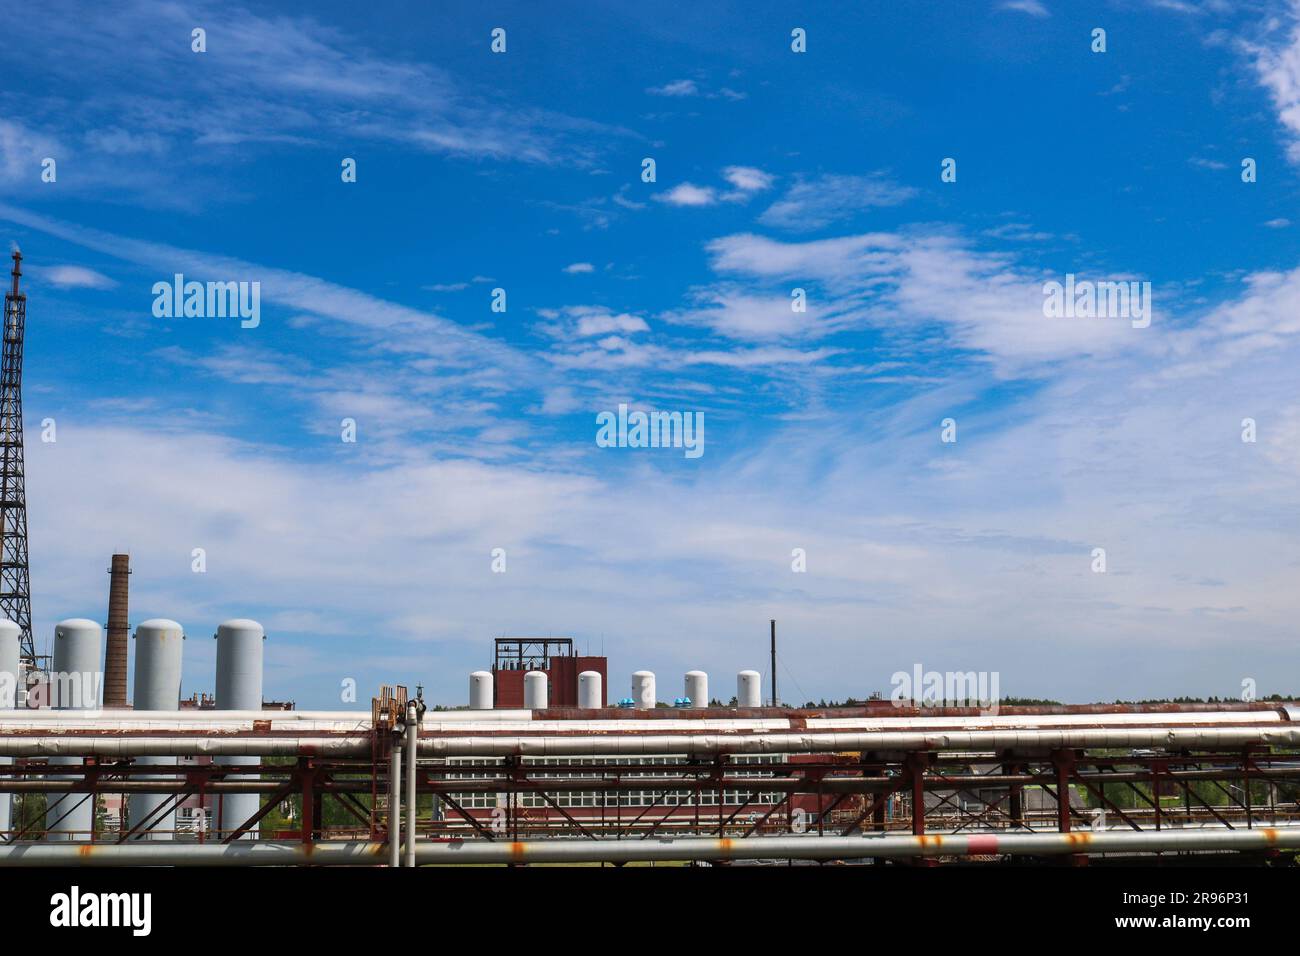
926,791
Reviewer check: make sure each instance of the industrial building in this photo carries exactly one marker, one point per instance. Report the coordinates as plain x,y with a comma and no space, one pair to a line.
554,657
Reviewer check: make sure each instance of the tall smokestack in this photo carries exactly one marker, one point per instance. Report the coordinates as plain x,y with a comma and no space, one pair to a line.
115,655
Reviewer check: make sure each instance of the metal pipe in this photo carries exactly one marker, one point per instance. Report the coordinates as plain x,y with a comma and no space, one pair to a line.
394,805
412,732
636,744
883,846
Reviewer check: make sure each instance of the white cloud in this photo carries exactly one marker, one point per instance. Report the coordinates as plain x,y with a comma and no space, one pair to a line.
815,204
72,277
1034,8
1277,67
575,268
688,194
675,88
748,179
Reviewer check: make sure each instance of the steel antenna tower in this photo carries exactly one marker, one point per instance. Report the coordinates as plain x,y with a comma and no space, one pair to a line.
15,584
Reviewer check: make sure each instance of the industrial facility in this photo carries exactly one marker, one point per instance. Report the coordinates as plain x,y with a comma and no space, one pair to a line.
537,765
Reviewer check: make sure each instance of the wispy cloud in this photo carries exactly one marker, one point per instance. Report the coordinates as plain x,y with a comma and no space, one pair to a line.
812,204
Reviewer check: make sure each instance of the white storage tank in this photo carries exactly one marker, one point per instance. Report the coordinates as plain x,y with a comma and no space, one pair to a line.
589,690
158,644
697,688
76,683
10,675
480,690
535,690
749,689
643,690
239,687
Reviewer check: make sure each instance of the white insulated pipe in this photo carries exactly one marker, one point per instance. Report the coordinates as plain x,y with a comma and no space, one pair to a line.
535,691
240,650
395,805
480,690
76,683
644,696
749,689
157,689
613,742
10,676
810,847
697,688
589,691
412,751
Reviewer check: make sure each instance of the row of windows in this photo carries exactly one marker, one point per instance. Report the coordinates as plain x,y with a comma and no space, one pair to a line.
611,801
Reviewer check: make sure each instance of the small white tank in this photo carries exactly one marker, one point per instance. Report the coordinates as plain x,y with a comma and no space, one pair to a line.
697,688
589,695
480,690
749,689
76,683
158,644
9,677
643,690
535,690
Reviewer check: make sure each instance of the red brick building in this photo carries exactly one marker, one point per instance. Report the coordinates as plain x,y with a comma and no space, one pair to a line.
554,657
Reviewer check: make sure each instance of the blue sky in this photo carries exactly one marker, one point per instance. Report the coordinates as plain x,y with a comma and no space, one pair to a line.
775,170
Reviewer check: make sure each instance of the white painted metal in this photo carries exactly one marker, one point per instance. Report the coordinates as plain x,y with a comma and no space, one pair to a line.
76,683
157,688
10,675
749,689
412,752
643,690
395,805
809,847
697,688
480,690
240,648
589,695
535,690
614,740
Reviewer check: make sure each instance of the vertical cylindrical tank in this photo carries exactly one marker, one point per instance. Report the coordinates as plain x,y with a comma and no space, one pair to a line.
535,690
480,690
697,688
749,689
643,690
76,682
239,687
10,634
158,644
589,695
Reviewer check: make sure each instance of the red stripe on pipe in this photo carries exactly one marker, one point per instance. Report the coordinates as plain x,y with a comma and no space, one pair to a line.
981,845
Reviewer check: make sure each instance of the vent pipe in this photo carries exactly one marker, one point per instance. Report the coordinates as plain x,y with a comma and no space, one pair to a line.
116,653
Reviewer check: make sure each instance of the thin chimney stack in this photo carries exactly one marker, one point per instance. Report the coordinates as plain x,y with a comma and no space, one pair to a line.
116,653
